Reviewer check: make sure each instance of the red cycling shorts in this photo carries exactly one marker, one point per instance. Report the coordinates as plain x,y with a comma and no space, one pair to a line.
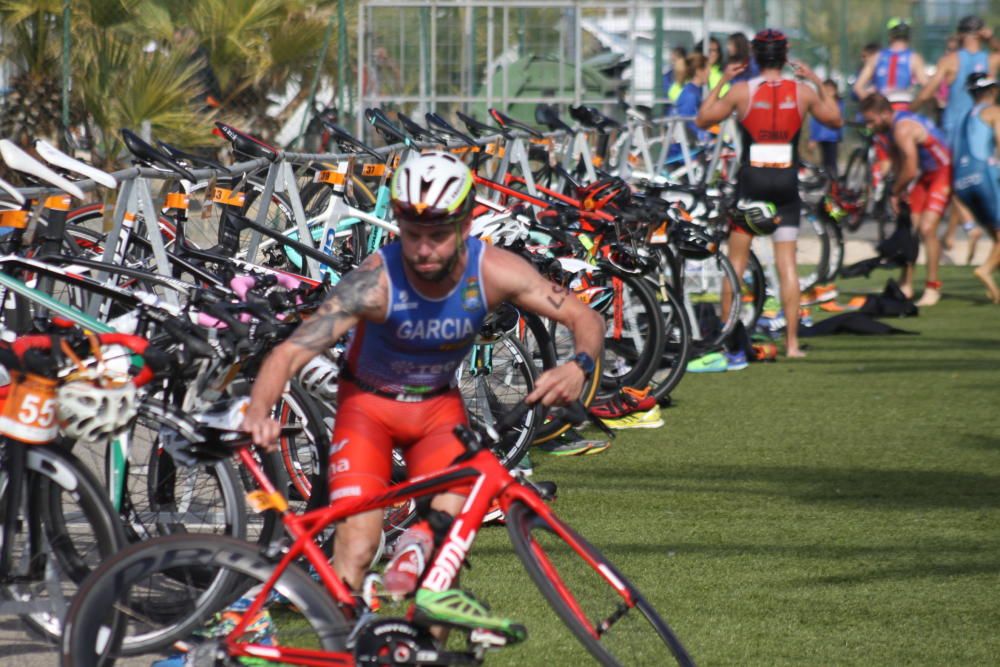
369,427
931,192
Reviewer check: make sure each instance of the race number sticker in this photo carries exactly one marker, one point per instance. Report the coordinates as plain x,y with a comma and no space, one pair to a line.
29,413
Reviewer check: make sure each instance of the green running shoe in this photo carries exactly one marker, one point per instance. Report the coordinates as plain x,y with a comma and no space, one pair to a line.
570,443
458,607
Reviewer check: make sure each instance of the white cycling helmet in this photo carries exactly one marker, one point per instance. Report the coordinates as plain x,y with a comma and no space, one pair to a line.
433,188
319,377
91,414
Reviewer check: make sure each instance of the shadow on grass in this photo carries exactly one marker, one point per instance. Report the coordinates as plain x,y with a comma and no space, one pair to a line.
869,489
915,365
978,441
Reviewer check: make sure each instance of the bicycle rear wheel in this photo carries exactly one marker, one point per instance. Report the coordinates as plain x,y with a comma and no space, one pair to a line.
142,600
603,609
69,530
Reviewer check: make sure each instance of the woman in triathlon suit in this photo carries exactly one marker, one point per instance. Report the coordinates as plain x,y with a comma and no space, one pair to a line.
771,109
977,169
413,311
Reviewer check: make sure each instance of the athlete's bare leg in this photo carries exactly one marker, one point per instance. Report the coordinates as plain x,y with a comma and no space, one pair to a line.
928,226
985,271
358,537
354,546
791,294
738,253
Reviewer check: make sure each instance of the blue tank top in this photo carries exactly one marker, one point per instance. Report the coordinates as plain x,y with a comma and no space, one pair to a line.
959,100
422,341
892,71
975,147
933,153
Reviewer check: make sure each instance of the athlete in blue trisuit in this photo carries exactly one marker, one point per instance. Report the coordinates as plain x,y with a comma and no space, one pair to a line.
953,69
896,71
977,168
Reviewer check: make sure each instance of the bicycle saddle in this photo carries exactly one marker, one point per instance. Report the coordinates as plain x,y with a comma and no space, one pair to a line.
246,145
546,114
417,131
590,117
447,128
148,156
20,161
57,158
183,156
478,129
348,141
389,132
507,121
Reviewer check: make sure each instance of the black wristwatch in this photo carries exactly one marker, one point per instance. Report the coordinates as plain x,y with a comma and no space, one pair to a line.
585,362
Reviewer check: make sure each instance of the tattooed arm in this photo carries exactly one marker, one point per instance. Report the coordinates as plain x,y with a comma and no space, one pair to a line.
360,294
511,278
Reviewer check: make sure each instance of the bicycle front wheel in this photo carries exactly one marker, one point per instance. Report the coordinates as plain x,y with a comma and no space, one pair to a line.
603,609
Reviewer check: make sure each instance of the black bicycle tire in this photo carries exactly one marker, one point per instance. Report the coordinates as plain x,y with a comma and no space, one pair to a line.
521,360
645,365
61,472
676,353
87,615
222,472
519,519
552,427
859,156
759,291
836,260
824,255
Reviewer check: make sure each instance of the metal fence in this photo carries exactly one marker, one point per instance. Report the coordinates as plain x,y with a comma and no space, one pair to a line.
470,55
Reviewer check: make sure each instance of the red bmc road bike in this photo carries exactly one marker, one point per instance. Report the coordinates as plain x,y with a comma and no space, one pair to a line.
167,588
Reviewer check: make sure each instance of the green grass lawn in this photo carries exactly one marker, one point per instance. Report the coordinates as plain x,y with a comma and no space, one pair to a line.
842,509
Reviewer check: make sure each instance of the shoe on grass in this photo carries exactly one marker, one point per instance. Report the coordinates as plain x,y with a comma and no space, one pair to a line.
459,608
570,443
649,419
713,362
736,361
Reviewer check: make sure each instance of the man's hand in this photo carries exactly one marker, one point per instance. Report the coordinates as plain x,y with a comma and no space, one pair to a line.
732,71
558,386
263,430
802,71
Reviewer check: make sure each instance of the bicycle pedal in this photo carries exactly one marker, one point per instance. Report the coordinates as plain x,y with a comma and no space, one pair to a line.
488,638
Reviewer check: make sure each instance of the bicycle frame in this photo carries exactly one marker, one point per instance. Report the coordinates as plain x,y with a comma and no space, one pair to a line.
490,480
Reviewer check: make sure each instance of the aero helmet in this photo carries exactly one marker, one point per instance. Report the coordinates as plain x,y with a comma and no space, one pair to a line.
433,188
760,218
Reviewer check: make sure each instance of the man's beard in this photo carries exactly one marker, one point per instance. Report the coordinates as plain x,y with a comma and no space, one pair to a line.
438,275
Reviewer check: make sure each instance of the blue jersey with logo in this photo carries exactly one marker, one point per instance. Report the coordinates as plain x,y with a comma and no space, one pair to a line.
422,341
959,100
977,171
893,71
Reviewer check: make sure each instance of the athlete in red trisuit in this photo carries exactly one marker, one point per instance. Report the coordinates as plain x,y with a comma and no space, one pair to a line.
771,109
413,311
